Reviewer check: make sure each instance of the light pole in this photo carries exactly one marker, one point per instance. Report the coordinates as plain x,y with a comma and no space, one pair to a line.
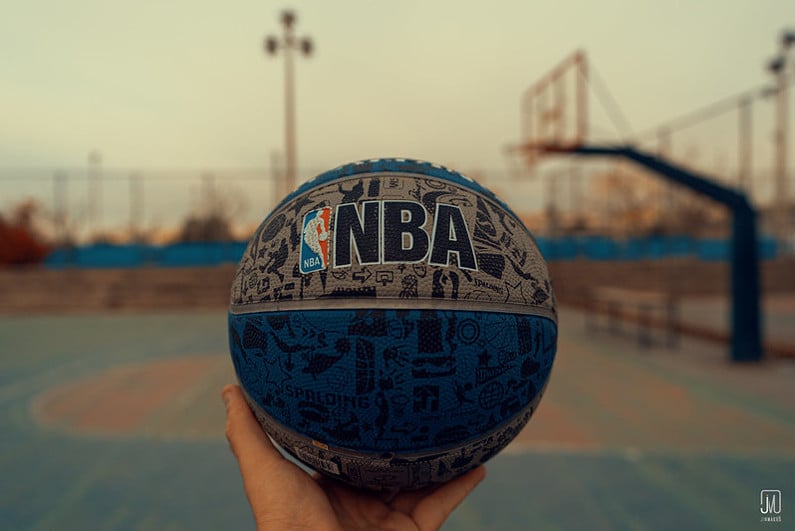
60,183
136,207
95,195
288,43
778,67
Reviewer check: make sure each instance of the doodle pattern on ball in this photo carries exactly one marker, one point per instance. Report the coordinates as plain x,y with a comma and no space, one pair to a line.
392,380
510,269
391,472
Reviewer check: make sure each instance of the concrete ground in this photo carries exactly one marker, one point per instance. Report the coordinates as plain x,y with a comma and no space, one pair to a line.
114,422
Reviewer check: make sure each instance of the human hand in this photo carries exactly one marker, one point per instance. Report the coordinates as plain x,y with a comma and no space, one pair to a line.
283,496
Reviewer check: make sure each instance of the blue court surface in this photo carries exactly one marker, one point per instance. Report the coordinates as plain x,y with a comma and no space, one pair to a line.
115,422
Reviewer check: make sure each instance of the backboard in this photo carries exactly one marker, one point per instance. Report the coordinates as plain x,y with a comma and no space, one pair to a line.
554,110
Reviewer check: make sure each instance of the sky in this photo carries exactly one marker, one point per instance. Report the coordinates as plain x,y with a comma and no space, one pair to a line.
186,83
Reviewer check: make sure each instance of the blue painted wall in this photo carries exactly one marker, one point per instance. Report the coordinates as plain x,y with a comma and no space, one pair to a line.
604,248
138,255
568,248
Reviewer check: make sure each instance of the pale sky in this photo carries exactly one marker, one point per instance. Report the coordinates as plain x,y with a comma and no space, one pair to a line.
185,83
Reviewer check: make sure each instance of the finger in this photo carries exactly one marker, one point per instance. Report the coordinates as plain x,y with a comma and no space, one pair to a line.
405,502
252,448
431,512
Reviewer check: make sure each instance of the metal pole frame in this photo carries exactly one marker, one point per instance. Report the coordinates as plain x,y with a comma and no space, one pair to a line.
745,322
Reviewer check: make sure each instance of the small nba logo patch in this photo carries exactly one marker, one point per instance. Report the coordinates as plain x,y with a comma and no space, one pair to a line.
314,240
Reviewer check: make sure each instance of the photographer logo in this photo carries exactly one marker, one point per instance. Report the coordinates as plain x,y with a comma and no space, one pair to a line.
770,505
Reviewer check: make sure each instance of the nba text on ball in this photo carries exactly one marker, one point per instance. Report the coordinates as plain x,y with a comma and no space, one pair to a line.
386,232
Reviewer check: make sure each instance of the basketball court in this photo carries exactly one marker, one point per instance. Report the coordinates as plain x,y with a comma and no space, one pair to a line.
114,422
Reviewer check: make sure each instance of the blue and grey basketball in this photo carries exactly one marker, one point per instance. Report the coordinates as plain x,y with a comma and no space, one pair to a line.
392,324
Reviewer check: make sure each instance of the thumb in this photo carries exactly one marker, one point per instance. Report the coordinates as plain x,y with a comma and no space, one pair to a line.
268,478
431,512
250,445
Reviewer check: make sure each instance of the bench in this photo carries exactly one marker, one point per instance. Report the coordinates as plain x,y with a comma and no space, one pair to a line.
607,307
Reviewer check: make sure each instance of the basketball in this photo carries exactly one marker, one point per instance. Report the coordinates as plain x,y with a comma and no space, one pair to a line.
392,324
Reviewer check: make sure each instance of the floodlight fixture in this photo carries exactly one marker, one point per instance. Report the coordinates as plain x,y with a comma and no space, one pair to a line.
271,45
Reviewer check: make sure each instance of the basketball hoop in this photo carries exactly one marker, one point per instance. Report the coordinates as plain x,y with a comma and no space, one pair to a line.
554,112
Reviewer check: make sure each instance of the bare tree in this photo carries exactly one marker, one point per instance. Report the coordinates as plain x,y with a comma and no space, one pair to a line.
21,242
213,219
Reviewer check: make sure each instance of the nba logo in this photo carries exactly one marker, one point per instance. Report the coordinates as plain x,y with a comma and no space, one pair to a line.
314,240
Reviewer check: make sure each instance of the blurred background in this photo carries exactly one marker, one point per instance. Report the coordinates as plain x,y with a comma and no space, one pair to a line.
133,124
141,145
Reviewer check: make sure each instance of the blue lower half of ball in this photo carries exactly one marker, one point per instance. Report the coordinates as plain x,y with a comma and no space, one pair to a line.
397,381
